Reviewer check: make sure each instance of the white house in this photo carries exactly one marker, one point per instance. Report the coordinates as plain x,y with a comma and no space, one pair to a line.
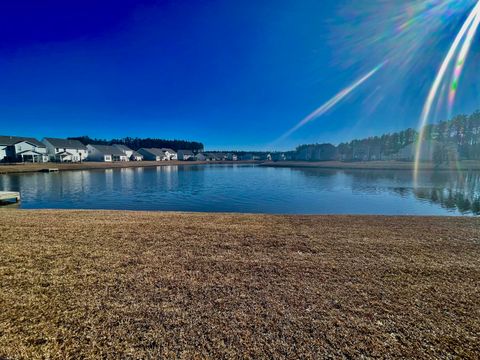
105,153
22,149
3,152
231,157
185,155
136,156
124,149
171,154
153,154
131,154
63,150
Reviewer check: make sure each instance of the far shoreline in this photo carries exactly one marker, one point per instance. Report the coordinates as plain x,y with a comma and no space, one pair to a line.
90,165
465,165
21,168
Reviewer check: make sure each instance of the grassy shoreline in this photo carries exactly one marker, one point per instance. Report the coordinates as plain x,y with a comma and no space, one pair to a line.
117,284
377,165
366,165
87,165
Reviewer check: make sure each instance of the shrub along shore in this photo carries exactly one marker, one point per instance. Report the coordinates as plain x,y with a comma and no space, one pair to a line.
118,284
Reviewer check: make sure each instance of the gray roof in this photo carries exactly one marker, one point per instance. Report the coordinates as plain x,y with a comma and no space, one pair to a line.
12,140
66,144
186,152
108,150
154,151
122,147
137,154
169,150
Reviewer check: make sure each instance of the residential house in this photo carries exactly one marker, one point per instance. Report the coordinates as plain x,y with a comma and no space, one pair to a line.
63,150
213,156
3,153
185,155
124,149
231,157
153,154
171,154
131,154
278,157
201,157
14,148
136,156
221,156
105,153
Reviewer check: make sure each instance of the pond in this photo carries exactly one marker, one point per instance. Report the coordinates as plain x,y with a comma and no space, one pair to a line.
251,189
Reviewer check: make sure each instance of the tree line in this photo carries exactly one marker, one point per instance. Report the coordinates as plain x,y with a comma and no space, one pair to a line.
138,143
460,135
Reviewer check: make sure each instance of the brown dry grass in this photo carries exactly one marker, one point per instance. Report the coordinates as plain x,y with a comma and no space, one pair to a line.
29,167
86,284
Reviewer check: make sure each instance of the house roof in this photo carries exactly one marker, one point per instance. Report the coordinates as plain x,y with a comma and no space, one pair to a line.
186,152
122,147
137,154
169,150
155,151
66,144
29,152
12,140
108,150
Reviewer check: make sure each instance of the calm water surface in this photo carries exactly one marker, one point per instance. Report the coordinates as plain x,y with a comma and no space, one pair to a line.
246,188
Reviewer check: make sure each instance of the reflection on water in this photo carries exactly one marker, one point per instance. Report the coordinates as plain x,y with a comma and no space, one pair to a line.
246,188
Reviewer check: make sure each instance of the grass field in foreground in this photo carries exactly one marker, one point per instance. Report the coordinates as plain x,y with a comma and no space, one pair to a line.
95,284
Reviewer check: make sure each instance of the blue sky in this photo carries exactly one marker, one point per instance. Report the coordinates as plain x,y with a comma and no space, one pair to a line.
232,74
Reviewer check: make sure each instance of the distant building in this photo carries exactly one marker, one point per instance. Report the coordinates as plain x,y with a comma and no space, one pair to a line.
124,149
185,155
136,156
14,149
278,157
220,156
153,154
3,152
201,157
171,154
105,153
231,157
63,150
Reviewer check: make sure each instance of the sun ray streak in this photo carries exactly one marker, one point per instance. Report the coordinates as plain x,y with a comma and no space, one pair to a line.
332,102
462,57
469,22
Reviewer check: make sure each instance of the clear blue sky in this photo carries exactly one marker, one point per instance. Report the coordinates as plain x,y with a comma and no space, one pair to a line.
232,74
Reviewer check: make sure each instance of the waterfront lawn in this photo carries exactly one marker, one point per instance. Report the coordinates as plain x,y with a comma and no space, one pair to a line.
98,284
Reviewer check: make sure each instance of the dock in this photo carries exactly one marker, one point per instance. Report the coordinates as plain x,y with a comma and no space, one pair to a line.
9,197
48,170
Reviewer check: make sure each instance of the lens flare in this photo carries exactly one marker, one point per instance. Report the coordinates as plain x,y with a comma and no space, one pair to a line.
466,34
332,102
462,57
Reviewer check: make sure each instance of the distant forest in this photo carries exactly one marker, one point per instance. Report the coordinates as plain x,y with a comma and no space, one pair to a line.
460,135
138,143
